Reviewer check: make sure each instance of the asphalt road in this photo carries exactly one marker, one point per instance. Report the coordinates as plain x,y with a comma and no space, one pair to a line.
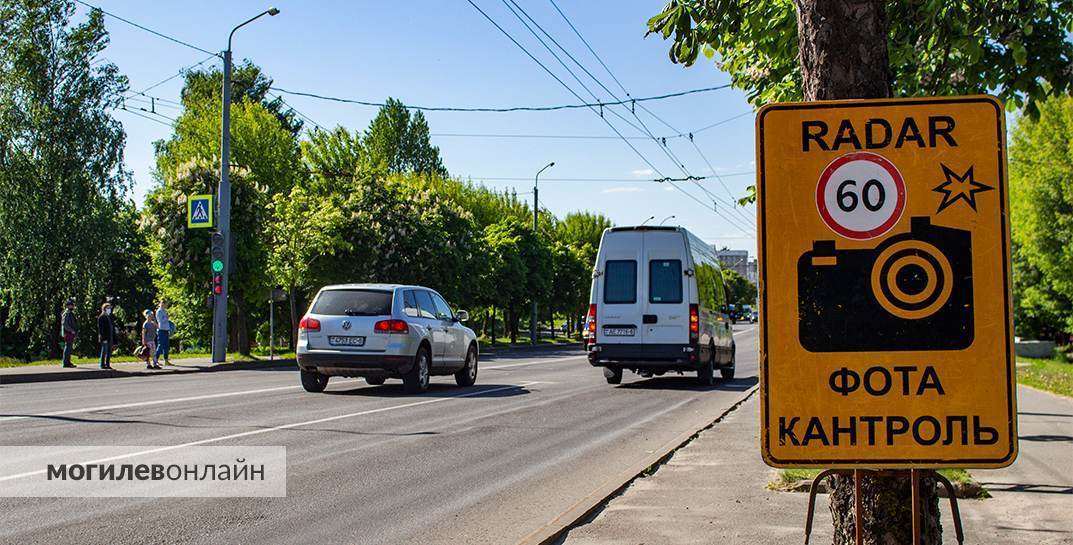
493,463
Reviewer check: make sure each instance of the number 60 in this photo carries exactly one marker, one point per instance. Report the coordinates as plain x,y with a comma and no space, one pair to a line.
848,200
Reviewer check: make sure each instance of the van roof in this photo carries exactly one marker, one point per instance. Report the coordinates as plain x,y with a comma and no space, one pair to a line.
645,228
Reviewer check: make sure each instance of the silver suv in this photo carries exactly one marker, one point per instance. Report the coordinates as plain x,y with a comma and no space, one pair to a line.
382,331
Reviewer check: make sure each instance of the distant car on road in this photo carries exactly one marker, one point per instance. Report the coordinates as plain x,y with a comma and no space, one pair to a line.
754,317
382,331
658,305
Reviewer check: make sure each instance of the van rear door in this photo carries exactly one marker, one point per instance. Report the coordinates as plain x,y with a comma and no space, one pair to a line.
618,297
665,292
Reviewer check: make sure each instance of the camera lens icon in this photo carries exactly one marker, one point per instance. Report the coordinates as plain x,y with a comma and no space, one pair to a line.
911,279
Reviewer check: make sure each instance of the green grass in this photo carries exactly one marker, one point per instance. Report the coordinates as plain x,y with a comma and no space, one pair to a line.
1053,375
788,477
176,357
522,340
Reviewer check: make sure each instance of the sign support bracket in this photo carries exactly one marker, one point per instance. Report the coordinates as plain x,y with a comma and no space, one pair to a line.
913,474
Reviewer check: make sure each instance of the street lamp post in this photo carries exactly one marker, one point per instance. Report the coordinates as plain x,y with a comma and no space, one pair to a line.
650,218
536,214
219,311
667,218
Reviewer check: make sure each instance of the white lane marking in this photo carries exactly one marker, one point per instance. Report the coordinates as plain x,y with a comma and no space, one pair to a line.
161,401
556,360
283,427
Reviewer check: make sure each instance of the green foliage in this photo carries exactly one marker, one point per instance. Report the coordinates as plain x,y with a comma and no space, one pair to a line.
248,82
1041,205
740,290
399,142
61,170
1019,50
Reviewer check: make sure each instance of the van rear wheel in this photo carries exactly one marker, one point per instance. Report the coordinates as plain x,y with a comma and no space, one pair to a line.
613,376
706,373
728,372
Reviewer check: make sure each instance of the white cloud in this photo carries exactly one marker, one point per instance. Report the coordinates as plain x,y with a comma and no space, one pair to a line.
623,190
642,172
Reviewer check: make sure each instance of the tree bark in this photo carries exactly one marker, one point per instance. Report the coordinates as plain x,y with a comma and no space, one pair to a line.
291,343
843,49
843,55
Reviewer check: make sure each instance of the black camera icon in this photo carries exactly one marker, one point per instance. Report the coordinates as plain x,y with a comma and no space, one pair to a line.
912,292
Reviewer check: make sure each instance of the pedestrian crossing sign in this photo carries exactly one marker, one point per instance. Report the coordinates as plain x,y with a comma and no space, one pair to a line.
199,211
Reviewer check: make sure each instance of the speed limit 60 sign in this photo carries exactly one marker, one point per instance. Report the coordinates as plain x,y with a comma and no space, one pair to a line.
884,284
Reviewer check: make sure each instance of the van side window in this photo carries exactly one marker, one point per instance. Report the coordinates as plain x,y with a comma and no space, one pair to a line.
665,281
409,304
424,302
620,282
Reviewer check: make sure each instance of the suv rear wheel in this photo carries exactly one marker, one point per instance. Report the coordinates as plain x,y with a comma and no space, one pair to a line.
467,376
313,381
416,381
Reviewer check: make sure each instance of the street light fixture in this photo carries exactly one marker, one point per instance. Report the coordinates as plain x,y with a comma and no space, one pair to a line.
536,214
650,218
219,311
667,218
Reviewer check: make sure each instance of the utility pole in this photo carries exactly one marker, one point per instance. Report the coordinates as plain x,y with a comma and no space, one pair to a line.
219,312
536,215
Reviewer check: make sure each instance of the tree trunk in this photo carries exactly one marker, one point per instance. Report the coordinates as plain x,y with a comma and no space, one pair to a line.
843,49
843,55
292,340
240,333
512,321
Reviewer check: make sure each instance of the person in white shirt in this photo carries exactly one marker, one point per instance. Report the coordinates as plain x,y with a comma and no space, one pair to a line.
164,329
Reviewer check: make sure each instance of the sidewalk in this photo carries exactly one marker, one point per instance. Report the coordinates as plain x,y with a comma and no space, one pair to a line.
47,373
714,491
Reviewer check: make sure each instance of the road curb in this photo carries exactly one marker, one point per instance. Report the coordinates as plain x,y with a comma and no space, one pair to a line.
85,374
507,349
588,507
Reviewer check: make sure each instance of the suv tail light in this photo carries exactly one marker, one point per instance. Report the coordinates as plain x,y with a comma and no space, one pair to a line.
694,324
309,324
590,324
391,326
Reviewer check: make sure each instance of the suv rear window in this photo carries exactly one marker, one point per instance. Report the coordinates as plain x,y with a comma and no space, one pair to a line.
353,303
620,282
665,281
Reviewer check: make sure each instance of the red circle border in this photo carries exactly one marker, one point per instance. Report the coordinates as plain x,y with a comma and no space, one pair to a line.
825,177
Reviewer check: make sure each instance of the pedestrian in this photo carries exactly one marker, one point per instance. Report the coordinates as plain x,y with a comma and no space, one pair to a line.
149,334
69,330
163,332
106,334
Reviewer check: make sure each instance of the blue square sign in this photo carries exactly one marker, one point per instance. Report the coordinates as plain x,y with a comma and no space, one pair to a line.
199,211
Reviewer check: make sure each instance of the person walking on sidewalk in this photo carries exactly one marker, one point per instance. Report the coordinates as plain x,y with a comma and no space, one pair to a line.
69,330
149,333
163,332
106,335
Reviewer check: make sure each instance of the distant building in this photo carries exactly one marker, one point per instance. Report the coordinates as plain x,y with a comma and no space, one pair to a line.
737,261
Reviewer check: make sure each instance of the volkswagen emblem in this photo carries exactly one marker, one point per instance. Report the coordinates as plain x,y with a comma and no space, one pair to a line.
346,325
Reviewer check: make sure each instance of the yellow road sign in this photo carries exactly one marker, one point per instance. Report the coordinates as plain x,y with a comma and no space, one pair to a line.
885,284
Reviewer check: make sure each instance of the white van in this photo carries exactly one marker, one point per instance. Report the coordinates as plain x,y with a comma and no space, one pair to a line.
658,304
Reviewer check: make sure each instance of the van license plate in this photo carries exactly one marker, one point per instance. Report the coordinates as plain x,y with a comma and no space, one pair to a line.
619,331
346,341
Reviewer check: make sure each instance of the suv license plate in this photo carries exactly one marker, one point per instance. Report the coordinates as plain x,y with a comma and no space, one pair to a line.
619,331
346,341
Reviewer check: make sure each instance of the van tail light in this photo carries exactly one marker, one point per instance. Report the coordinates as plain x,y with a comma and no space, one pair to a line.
309,324
590,324
391,327
694,324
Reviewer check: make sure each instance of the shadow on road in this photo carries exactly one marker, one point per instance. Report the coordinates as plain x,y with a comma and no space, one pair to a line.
689,383
1035,488
1047,438
394,390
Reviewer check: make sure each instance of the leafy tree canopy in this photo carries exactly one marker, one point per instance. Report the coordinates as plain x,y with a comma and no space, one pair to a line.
1018,50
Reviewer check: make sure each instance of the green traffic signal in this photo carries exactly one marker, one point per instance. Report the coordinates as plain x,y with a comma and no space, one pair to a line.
217,265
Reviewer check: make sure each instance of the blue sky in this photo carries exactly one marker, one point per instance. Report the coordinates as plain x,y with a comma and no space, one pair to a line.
445,53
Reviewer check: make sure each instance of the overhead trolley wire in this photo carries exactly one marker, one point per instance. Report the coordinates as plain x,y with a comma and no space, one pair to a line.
147,29
568,88
580,105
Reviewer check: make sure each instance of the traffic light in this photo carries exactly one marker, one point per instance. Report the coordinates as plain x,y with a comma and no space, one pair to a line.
217,264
